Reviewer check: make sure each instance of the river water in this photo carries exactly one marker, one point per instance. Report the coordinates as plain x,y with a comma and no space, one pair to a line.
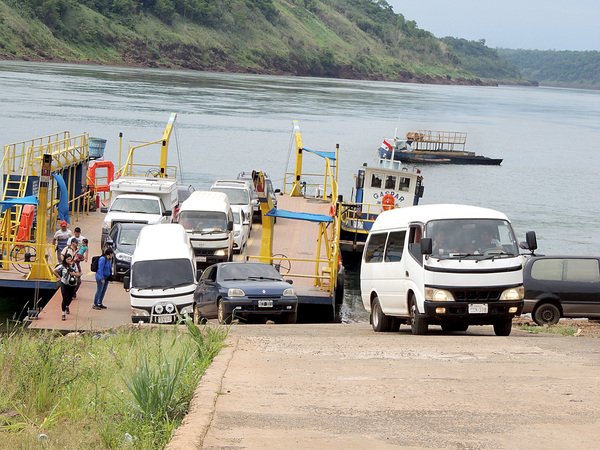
549,137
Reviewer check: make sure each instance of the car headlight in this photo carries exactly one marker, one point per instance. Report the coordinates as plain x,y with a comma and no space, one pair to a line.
187,310
289,292
516,293
123,256
139,312
158,309
235,292
220,253
438,295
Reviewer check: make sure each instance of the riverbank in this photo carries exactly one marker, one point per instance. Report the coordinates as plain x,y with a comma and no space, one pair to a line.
344,386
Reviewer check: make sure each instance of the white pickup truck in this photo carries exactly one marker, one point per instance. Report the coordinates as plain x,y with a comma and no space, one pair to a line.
140,200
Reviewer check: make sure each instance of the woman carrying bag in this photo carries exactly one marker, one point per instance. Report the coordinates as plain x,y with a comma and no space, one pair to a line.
69,277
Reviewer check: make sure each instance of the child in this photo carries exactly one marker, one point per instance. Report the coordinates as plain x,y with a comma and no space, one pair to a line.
82,253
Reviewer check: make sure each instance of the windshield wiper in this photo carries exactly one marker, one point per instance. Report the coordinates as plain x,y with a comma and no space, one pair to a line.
234,279
211,232
263,278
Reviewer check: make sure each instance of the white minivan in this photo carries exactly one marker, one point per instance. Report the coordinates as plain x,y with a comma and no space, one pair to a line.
208,219
449,265
162,278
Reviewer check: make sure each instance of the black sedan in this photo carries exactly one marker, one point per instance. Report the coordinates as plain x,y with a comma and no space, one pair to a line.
246,290
122,238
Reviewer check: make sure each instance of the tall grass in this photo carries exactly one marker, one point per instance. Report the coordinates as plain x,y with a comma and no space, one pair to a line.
131,386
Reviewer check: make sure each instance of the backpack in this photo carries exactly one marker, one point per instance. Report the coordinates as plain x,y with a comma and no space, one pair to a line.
94,265
72,280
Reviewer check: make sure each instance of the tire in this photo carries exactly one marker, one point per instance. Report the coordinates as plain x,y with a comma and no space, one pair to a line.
379,320
503,327
196,318
546,314
221,313
418,323
455,327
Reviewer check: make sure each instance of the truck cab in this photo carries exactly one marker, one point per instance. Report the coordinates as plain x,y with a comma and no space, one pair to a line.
448,265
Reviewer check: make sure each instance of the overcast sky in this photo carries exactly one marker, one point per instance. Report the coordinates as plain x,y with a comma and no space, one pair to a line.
526,24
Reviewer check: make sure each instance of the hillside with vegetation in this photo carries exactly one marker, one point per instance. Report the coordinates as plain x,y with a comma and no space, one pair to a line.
486,63
557,68
358,39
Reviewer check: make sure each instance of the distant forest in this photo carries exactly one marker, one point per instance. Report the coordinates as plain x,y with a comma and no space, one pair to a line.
557,68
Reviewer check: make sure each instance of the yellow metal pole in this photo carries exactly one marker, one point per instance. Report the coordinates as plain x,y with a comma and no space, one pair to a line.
165,145
40,269
295,191
266,205
120,146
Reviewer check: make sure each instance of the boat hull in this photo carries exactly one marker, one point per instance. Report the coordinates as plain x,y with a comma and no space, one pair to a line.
417,157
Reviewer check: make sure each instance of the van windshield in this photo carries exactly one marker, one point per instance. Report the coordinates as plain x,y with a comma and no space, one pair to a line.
236,196
472,238
203,221
162,274
136,205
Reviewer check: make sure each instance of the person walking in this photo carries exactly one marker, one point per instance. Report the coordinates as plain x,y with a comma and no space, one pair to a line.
68,275
61,238
102,274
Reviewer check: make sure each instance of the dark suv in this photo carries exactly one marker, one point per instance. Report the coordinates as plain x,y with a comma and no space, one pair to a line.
561,286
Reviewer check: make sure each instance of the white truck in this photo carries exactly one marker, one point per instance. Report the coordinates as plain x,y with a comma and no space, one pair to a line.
140,200
448,265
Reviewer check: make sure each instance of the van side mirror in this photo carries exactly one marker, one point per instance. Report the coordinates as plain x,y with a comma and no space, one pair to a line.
426,246
126,282
230,225
420,191
530,242
168,213
104,209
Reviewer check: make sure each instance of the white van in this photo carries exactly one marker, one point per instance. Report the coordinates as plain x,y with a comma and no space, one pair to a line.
162,279
207,218
450,265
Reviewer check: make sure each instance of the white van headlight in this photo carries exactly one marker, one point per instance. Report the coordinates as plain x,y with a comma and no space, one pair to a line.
289,292
139,312
158,309
438,295
235,292
220,253
516,293
106,225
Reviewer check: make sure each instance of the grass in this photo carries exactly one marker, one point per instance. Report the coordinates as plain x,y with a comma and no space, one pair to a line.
110,390
553,329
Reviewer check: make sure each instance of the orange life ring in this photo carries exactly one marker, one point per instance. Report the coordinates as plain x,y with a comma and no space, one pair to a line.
332,211
388,202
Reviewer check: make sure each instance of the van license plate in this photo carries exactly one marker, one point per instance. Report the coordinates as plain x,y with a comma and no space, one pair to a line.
265,303
164,319
201,258
478,308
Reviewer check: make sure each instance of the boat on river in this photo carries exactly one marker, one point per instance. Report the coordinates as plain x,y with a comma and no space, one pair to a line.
433,147
380,187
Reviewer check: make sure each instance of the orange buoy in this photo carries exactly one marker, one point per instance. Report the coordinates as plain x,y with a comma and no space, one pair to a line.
388,202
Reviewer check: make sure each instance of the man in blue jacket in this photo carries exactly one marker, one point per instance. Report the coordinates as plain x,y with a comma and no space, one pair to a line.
102,274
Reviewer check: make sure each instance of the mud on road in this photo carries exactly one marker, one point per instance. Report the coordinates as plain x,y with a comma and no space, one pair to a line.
344,386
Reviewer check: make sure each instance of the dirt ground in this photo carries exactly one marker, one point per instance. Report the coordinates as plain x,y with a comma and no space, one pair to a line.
583,327
344,386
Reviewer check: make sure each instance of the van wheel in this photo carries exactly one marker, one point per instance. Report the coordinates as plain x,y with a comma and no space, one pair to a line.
503,327
418,323
379,320
546,314
221,313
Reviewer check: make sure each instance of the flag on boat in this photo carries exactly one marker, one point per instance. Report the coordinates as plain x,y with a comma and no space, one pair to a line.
386,145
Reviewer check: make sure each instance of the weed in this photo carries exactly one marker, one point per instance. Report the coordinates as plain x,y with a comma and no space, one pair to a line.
563,331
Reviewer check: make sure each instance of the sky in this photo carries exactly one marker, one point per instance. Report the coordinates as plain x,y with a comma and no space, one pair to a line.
524,24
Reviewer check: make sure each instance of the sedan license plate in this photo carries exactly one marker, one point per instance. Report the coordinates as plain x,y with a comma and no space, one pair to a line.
478,308
165,319
265,303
